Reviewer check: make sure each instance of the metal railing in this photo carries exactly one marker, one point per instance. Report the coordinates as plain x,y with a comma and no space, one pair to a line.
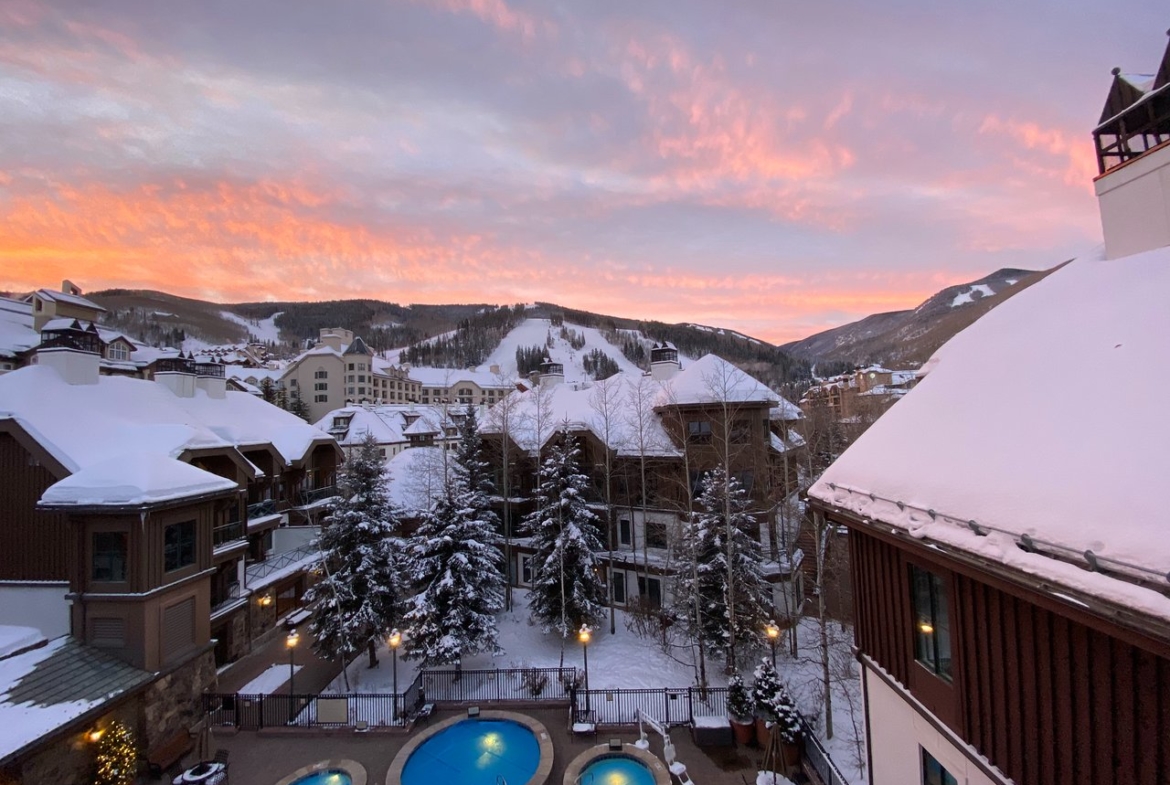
670,706
260,509
267,567
227,533
307,497
511,684
818,757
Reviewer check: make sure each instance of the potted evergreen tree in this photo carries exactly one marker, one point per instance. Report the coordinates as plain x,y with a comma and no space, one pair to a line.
740,709
765,691
788,726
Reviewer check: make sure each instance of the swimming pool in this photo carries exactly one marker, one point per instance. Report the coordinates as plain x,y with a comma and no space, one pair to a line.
476,751
617,770
326,777
338,771
624,765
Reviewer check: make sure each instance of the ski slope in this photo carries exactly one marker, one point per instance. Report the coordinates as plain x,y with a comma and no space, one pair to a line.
535,332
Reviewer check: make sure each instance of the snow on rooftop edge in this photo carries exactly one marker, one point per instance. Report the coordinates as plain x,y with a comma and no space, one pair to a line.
1069,447
132,479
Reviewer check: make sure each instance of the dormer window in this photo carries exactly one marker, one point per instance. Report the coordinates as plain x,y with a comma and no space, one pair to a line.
118,352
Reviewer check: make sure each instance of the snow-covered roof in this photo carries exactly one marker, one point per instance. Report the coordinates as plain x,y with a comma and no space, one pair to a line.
574,407
135,478
1076,467
388,423
451,377
711,379
65,297
16,328
54,685
86,425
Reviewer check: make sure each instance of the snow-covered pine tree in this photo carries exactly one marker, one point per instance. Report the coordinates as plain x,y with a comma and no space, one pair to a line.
360,596
774,704
566,589
726,561
457,565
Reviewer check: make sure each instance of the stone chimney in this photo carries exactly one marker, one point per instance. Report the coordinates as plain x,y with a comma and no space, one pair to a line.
664,363
74,365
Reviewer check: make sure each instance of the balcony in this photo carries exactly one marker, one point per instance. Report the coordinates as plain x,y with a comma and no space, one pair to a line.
260,509
232,530
316,495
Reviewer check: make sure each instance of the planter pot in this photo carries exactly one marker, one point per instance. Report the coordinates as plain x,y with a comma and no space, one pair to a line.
762,731
791,753
744,731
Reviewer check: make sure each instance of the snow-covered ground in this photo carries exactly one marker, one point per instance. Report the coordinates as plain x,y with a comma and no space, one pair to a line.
263,329
269,681
962,298
535,332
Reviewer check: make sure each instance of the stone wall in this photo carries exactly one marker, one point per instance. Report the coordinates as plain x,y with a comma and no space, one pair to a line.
175,702
263,617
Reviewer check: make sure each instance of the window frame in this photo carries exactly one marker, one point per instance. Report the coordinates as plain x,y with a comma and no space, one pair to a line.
930,597
929,777
94,551
183,547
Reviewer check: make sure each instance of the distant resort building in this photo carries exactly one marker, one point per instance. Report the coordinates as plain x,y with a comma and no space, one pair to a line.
1010,558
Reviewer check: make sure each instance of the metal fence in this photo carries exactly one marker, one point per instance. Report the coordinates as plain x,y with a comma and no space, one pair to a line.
513,684
669,706
818,757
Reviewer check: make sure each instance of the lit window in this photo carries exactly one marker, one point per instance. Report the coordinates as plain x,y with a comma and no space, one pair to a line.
932,626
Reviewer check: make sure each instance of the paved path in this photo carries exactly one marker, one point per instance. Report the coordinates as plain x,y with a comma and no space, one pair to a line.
314,675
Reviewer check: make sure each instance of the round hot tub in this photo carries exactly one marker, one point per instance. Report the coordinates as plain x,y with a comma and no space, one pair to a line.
481,750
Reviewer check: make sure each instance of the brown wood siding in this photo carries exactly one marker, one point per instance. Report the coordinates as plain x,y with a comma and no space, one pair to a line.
1047,699
34,546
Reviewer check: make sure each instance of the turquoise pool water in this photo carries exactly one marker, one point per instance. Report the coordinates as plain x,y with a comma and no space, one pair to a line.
328,777
475,752
617,770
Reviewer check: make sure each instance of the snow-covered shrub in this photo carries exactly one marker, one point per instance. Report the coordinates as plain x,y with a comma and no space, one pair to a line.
740,706
774,704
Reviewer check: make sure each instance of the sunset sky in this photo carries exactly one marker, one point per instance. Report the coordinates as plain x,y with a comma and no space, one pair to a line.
775,167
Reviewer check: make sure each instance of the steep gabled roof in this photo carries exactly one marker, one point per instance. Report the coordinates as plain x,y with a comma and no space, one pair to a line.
1163,77
358,347
71,299
1125,91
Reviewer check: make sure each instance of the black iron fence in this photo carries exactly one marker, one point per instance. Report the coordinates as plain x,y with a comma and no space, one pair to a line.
668,706
513,684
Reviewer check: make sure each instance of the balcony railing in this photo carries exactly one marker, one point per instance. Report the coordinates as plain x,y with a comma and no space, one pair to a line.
233,530
315,495
260,509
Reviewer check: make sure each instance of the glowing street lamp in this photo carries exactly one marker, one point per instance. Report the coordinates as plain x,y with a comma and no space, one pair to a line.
584,635
291,643
773,632
394,641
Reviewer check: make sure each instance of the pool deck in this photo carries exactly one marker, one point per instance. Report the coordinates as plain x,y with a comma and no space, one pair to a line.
267,757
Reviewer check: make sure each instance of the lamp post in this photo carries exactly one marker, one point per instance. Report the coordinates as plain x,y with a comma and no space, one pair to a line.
773,633
583,635
291,643
393,642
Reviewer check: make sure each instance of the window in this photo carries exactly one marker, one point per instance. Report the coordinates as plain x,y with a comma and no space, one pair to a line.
361,366
655,534
109,556
932,625
650,590
321,386
526,569
619,588
350,368
747,481
624,532
933,773
321,373
118,351
292,383
699,430
320,399
362,378
178,545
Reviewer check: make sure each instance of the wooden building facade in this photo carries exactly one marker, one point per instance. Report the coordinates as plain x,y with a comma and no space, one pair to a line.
1030,687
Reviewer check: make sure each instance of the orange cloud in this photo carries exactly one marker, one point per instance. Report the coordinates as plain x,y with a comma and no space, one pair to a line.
498,14
1079,165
